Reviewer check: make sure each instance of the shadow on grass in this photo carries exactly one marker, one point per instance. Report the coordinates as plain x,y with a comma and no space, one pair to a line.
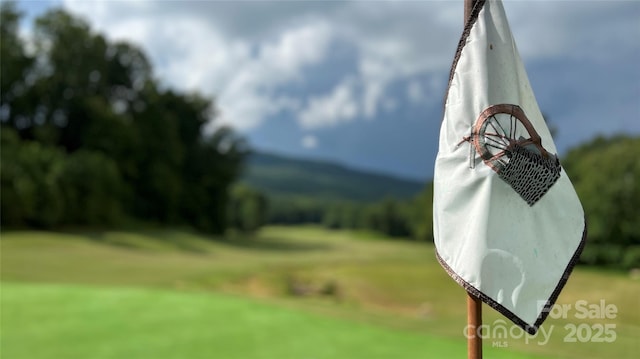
154,241
274,244
196,243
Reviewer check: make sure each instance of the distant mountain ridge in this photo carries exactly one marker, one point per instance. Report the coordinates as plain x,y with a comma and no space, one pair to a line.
279,175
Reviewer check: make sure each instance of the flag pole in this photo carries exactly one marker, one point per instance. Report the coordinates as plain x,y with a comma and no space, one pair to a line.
474,320
468,6
474,304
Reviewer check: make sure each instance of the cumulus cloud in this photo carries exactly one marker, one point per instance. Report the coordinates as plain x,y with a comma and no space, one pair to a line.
245,53
248,54
338,106
309,141
194,53
248,97
415,93
389,104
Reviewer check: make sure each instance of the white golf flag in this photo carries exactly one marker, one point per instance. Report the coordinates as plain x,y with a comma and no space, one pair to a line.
508,225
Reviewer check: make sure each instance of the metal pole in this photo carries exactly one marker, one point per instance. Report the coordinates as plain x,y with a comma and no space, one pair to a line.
474,304
474,321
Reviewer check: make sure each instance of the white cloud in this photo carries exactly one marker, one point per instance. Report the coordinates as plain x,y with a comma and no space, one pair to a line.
248,97
415,93
373,93
338,106
560,29
389,104
191,52
243,63
309,142
388,54
295,49
245,53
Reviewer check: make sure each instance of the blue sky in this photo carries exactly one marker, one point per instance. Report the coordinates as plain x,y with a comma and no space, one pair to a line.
363,82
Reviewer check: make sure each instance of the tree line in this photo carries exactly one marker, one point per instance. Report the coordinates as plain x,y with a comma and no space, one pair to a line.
606,175
398,218
605,172
90,137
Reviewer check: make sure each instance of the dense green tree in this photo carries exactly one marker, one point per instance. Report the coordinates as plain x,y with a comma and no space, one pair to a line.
421,214
44,187
343,214
247,209
210,169
88,126
606,176
92,188
31,182
296,209
388,216
15,69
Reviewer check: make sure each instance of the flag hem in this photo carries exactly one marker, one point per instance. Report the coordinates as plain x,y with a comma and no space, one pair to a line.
473,17
531,329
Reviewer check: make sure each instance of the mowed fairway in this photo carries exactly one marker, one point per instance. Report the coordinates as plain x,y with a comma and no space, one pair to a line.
57,321
299,292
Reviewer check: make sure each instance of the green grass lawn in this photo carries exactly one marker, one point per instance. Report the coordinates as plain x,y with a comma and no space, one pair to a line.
63,321
178,294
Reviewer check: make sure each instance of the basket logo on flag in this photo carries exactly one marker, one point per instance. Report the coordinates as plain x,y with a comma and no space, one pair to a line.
510,145
511,228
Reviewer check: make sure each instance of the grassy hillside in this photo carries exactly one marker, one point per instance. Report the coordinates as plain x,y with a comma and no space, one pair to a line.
278,175
326,289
